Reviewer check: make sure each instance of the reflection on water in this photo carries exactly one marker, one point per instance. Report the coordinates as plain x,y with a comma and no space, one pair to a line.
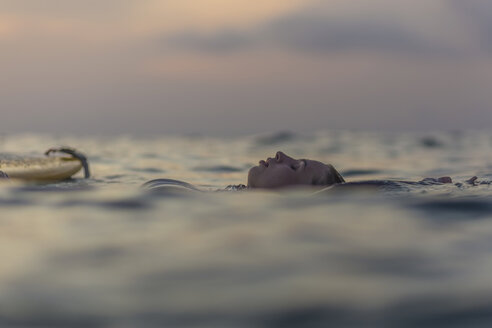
104,253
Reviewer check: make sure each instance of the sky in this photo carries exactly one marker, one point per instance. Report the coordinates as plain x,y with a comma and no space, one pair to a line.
233,67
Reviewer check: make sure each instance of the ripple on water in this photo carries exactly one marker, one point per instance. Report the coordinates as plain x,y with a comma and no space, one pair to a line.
454,209
359,172
135,203
441,311
218,169
431,142
147,170
67,186
276,138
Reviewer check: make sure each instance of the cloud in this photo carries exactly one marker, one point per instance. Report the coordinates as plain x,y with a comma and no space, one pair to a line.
314,31
220,42
56,8
479,15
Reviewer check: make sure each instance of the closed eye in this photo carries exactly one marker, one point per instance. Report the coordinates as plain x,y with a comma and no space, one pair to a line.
295,167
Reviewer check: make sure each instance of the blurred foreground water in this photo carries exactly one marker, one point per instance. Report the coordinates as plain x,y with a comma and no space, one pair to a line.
103,253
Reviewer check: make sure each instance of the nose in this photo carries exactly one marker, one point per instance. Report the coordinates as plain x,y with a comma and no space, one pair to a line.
281,157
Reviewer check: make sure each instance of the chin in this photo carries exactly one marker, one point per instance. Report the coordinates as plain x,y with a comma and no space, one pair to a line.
253,173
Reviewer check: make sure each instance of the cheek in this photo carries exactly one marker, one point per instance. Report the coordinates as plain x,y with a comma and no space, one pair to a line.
277,177
253,176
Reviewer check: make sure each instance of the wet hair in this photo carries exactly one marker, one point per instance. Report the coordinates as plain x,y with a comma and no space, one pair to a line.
330,177
239,187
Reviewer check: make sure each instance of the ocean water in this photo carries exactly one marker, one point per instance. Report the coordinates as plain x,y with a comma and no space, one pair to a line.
103,252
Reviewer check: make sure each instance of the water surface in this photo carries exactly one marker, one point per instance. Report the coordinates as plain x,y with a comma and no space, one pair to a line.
104,253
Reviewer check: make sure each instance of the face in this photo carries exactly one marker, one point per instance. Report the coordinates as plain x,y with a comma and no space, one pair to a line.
283,171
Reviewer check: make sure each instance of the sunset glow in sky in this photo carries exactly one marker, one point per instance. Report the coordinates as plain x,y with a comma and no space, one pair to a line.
225,67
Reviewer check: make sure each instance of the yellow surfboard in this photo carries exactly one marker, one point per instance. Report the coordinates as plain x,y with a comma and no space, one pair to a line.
49,168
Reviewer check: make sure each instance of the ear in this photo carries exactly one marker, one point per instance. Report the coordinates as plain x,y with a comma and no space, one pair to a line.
335,176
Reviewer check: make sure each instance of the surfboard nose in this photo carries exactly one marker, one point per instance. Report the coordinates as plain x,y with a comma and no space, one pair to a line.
78,155
43,168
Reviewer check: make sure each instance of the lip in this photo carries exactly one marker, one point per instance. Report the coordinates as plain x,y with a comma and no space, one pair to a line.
263,163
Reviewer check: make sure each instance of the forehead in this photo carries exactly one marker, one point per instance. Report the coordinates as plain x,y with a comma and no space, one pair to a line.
315,164
315,168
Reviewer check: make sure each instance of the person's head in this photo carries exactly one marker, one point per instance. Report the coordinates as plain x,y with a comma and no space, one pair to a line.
284,171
